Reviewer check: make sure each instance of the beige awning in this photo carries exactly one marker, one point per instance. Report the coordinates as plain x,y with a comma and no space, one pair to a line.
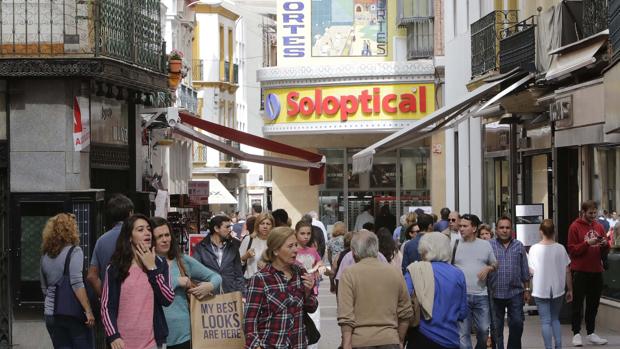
362,161
218,194
577,55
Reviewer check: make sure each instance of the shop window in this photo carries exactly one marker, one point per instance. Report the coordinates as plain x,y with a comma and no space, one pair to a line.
497,190
605,178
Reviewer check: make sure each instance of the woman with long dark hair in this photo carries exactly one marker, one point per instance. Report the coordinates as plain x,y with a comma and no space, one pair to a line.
183,271
387,247
135,290
60,236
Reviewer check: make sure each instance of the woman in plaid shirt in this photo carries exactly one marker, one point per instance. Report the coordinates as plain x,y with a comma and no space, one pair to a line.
277,296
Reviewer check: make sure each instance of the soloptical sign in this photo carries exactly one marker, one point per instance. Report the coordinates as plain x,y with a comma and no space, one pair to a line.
350,103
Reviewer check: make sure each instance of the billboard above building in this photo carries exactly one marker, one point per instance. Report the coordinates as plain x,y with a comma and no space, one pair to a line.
318,31
349,28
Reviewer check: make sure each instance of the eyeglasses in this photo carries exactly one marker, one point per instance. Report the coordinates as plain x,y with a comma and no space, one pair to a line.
453,219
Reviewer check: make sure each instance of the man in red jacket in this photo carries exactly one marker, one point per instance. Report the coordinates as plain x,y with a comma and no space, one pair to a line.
586,243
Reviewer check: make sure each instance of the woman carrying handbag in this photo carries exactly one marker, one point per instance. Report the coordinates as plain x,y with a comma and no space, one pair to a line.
183,271
68,315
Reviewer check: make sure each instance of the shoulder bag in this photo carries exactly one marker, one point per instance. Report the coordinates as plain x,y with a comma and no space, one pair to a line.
65,300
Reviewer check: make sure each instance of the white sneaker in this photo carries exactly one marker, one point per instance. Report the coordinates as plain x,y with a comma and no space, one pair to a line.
577,340
594,339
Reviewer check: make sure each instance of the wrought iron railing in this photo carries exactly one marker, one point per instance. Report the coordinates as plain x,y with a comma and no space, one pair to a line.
129,31
187,98
485,37
198,70
595,16
518,46
614,27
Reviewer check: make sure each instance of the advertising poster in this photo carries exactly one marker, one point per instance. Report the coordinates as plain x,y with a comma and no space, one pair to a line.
528,219
334,176
383,176
349,28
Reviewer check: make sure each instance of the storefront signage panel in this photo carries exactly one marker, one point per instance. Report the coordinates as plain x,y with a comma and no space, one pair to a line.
350,103
317,31
109,121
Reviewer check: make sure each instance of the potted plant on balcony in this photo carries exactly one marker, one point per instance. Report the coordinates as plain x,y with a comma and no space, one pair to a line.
175,61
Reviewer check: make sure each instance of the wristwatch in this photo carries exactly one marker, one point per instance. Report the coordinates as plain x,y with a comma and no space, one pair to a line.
528,289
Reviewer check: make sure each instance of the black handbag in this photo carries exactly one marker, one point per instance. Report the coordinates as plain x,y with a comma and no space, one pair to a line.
65,300
311,332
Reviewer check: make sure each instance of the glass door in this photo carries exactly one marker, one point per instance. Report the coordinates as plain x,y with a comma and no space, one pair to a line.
497,187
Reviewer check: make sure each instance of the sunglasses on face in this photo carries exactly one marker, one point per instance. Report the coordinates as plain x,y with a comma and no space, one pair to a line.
452,219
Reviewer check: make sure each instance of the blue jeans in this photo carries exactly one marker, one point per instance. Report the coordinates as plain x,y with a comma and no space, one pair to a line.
480,315
68,333
514,306
549,311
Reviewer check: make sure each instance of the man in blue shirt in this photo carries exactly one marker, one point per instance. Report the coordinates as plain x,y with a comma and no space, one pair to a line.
411,254
443,224
509,284
119,207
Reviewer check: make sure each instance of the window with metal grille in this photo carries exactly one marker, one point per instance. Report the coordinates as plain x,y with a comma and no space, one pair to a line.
420,39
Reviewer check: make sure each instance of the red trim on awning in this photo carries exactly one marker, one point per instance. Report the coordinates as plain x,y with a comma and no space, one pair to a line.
316,175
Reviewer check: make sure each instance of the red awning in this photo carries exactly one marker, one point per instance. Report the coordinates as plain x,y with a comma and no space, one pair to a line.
310,161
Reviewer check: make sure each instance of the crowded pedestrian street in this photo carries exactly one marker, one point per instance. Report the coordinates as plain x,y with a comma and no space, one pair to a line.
330,331
309,174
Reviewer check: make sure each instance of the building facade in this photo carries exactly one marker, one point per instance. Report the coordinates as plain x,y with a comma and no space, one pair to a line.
73,77
348,74
547,139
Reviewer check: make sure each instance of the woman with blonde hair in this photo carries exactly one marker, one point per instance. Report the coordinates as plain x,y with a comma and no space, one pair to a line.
253,245
60,249
287,284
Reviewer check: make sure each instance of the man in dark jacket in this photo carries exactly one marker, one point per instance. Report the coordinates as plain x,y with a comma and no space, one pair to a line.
218,251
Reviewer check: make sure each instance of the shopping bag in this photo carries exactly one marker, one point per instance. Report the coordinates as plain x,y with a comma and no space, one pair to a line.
217,322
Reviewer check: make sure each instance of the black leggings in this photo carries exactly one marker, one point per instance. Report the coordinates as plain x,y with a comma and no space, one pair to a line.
588,286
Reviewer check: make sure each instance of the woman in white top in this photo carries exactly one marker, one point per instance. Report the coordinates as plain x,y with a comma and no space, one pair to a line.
253,245
549,263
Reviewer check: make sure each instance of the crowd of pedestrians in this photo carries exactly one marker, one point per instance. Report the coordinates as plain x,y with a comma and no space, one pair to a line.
427,283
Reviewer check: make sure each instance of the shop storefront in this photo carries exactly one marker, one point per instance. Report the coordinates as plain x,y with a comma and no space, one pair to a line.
398,179
338,121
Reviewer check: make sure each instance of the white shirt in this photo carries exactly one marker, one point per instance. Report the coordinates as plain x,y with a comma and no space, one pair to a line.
548,265
259,245
363,218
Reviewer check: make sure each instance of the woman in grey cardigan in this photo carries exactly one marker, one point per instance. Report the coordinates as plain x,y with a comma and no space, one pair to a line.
59,235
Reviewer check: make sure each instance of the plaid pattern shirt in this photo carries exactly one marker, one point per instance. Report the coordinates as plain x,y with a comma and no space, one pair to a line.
512,269
274,310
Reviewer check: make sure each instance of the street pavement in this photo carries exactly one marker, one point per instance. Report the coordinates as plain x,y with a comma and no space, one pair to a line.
532,339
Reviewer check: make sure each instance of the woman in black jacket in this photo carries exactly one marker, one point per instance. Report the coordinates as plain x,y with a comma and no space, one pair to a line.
136,287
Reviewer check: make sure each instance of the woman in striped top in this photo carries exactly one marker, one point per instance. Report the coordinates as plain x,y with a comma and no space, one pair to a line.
135,290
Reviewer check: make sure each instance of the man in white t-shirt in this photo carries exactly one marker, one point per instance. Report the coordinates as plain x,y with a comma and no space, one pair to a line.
363,218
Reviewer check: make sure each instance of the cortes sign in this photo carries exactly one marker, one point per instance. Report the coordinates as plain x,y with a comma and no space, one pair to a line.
389,102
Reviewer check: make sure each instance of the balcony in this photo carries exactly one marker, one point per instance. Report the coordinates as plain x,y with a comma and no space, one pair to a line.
187,98
127,31
485,38
517,48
